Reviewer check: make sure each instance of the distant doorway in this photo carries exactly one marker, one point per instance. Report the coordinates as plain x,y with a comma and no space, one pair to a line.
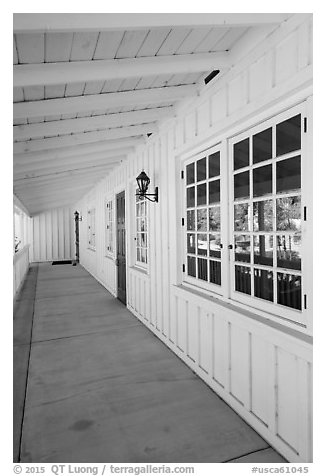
77,237
121,247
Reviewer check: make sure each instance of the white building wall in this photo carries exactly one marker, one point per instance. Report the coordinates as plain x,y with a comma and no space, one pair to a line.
53,235
263,371
23,257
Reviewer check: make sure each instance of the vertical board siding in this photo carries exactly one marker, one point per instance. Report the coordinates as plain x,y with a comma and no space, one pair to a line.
252,366
53,235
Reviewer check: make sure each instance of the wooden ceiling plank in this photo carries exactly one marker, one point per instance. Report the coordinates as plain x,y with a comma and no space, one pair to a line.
104,70
18,95
210,40
15,56
112,86
108,44
55,91
34,93
83,46
100,101
131,43
191,42
30,48
173,41
74,89
229,39
83,138
58,46
93,87
44,22
52,181
153,42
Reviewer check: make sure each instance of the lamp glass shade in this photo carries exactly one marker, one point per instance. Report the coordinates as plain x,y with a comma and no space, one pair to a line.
143,182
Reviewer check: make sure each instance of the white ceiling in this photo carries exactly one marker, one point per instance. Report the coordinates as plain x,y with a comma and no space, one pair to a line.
89,87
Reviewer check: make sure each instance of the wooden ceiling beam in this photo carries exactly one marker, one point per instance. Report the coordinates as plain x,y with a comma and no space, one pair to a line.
58,170
66,22
95,148
107,121
83,138
94,102
30,184
50,74
21,161
30,169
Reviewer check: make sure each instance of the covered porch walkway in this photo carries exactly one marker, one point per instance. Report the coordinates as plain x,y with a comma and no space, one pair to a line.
93,384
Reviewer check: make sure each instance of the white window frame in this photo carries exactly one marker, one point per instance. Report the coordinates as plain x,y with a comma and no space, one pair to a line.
109,227
218,289
273,311
91,230
294,315
139,231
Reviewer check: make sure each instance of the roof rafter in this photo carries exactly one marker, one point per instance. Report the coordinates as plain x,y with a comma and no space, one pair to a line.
60,22
93,102
49,74
82,124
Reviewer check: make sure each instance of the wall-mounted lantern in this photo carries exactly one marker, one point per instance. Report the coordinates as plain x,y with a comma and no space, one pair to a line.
78,217
143,181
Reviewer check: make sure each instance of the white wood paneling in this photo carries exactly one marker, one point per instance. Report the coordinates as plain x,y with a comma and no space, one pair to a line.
53,233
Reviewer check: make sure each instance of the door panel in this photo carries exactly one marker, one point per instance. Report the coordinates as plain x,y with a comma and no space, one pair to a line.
121,247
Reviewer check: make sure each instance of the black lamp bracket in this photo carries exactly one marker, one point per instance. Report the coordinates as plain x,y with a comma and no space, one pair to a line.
147,195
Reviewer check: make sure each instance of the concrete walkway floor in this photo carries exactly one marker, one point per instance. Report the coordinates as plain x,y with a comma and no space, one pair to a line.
93,384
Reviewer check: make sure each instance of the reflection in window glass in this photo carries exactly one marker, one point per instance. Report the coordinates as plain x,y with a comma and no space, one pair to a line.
242,248
243,279
215,245
201,169
262,178
214,164
289,290
191,220
262,146
263,284
288,175
201,194
215,272
289,251
190,173
202,268
288,214
263,215
191,243
202,219
191,266
214,191
263,250
241,154
288,135
202,244
214,219
241,217
241,185
190,197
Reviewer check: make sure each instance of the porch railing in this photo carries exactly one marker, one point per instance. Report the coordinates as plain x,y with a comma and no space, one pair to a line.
21,265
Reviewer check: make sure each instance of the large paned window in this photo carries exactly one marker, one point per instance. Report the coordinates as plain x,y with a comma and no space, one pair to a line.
203,218
267,216
141,231
109,233
260,213
91,228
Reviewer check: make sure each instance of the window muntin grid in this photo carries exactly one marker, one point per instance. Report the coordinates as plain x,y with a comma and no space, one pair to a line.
91,228
203,219
266,182
141,231
109,232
